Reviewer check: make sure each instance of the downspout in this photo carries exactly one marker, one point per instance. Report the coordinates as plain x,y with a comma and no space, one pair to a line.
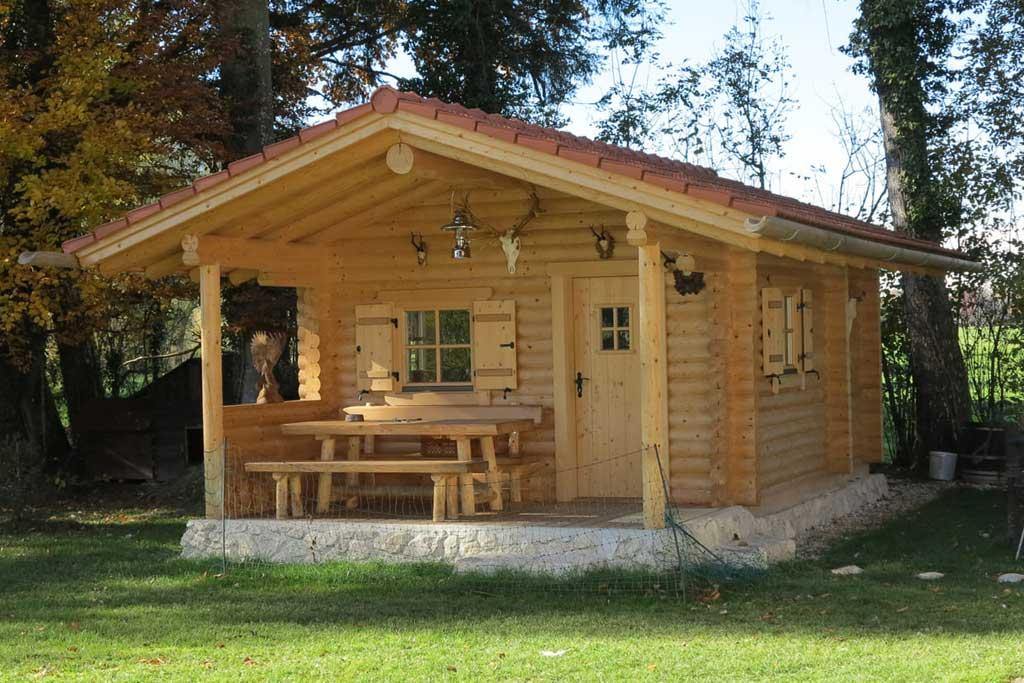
825,240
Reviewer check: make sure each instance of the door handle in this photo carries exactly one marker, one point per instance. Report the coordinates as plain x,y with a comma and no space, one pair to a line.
580,379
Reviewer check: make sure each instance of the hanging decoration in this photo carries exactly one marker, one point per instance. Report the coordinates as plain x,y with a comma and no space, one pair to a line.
604,243
421,248
461,224
687,280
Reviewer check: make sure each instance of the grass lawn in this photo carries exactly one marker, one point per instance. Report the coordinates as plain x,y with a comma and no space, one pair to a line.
102,596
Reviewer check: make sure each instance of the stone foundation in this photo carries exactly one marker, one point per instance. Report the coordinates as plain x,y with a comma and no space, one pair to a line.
736,534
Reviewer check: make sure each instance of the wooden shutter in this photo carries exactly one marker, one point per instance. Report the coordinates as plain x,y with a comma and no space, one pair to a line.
375,327
773,322
494,345
807,330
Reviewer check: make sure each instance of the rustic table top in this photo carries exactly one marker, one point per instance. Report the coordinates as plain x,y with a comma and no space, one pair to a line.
433,427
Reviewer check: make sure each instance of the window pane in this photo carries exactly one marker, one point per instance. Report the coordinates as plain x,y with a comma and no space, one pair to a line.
455,365
623,340
422,365
607,317
788,313
622,313
455,327
421,327
607,340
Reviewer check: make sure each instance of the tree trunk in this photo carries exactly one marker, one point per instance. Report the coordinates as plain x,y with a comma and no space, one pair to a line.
246,84
936,361
81,375
29,411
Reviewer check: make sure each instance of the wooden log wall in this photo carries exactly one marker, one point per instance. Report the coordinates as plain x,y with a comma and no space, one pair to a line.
866,370
730,436
791,423
562,233
697,399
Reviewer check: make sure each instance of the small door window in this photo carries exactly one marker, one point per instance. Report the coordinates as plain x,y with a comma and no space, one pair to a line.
614,332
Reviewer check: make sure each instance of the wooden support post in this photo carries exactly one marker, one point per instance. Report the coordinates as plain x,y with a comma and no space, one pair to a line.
439,496
832,321
653,370
323,494
493,476
282,495
295,491
465,452
735,463
213,390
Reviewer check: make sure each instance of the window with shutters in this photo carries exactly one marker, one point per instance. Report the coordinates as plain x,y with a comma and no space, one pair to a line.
787,330
437,347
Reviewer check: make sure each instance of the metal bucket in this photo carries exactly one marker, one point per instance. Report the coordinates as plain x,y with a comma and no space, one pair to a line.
942,465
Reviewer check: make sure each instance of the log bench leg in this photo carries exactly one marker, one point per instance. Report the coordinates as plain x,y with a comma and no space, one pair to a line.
355,447
323,495
465,451
295,484
493,476
440,496
516,478
282,495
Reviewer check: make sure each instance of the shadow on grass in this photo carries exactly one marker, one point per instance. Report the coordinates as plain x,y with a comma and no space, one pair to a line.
61,571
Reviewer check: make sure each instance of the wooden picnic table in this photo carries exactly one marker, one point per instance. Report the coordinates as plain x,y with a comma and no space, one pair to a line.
462,431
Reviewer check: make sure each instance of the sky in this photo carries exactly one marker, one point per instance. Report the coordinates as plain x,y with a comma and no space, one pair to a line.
812,32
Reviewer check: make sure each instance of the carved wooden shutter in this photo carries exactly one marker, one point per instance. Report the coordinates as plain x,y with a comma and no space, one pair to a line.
494,345
375,327
807,327
773,323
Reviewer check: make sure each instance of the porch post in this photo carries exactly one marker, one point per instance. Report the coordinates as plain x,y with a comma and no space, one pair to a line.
213,389
651,342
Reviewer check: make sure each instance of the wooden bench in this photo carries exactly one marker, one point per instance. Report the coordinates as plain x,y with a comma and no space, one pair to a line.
444,474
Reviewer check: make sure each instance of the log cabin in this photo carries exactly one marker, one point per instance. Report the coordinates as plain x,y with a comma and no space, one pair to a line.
683,338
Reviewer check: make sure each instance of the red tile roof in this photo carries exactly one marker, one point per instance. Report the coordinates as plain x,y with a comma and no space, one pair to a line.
671,174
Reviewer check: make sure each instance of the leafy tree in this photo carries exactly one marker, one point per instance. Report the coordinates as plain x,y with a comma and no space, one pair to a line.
728,113
904,47
104,105
947,76
520,58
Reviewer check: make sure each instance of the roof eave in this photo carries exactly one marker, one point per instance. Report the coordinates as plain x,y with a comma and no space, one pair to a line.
899,258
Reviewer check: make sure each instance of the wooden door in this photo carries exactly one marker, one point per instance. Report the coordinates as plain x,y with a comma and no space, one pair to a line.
608,398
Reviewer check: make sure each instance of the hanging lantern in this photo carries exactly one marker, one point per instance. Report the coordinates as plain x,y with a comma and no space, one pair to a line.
460,224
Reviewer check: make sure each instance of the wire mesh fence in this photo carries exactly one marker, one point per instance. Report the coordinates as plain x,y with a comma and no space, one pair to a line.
495,529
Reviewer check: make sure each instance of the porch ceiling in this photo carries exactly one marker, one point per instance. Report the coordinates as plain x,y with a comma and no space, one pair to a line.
350,194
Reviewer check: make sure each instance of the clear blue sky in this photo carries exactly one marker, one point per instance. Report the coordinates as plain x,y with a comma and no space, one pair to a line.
812,31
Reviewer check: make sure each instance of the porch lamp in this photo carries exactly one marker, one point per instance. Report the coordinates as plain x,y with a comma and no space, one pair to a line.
460,224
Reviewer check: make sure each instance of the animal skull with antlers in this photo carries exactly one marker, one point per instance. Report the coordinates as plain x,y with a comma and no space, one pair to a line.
509,240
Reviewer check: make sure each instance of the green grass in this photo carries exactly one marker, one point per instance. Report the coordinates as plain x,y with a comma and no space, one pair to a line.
102,596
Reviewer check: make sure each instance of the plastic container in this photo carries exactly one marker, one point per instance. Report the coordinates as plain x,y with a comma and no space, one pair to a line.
942,465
